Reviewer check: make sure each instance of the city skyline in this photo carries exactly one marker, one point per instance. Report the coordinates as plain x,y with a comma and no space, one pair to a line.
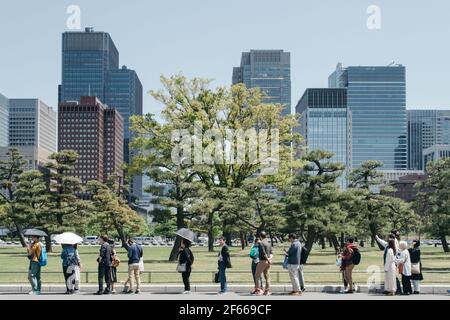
153,51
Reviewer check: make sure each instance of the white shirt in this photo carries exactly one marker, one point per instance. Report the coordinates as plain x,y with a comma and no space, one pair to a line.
405,260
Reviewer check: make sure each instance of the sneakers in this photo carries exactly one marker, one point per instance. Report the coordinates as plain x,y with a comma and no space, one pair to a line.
222,293
137,292
35,293
99,293
187,292
128,292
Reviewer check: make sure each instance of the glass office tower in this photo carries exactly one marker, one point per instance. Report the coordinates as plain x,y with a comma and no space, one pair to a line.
269,70
325,124
376,97
426,128
124,92
86,59
91,68
4,121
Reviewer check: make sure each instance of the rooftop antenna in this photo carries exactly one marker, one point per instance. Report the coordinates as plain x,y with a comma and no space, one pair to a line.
391,64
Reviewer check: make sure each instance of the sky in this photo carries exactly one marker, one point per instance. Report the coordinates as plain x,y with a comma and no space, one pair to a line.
205,38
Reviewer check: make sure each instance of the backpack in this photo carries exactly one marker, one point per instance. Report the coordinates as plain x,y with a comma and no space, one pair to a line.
71,258
303,255
43,257
356,257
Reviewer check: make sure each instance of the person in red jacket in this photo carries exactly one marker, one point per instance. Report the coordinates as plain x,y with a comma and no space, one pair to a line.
347,264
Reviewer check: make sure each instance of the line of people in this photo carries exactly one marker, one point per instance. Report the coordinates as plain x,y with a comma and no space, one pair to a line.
398,259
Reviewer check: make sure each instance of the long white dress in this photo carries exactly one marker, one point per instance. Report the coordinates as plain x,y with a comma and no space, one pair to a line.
390,272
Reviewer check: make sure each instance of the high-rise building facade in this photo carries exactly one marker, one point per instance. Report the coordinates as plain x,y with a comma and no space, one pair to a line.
325,124
91,68
32,130
426,128
376,97
113,143
86,59
4,121
269,70
435,152
96,134
124,93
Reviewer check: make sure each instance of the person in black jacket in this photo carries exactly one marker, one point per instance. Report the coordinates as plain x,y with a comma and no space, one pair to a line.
416,277
186,257
224,262
104,266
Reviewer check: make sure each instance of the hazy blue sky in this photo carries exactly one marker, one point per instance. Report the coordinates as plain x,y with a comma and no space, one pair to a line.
205,38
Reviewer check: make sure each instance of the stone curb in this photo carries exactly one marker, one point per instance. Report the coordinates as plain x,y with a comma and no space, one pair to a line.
58,288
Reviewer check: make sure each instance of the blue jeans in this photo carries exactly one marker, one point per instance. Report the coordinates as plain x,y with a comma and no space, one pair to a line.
34,276
222,277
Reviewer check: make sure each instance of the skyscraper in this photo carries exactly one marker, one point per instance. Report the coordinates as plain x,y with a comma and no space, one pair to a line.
269,70
325,124
426,128
91,68
376,97
124,92
96,134
32,130
86,59
4,121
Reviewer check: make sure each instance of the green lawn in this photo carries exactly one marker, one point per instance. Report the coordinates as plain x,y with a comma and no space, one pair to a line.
319,269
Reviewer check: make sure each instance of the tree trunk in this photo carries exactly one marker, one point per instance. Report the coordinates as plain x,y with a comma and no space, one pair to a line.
242,240
20,233
210,232
174,252
122,236
444,243
373,232
342,240
334,241
322,242
310,237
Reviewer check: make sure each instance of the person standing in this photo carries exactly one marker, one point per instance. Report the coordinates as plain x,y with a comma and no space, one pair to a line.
416,266
254,255
347,264
34,251
186,260
223,262
115,261
135,253
104,266
404,261
73,270
69,261
390,270
394,235
294,258
265,260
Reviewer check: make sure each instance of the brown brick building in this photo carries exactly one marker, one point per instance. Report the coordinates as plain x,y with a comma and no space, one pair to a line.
95,132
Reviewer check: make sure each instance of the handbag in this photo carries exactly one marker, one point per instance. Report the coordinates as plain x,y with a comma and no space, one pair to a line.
141,264
415,268
339,262
216,277
400,269
181,267
285,263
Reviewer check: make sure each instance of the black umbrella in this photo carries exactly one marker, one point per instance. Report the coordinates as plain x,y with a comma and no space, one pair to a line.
185,234
34,232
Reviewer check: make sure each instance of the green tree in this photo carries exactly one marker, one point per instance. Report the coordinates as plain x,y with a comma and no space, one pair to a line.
66,211
436,192
313,198
112,214
10,170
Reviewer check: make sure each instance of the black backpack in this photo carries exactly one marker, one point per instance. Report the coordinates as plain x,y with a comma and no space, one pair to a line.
303,255
356,257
